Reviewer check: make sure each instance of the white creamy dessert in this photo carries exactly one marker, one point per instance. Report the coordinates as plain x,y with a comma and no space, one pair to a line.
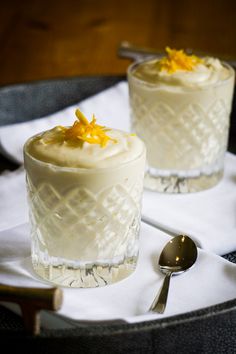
122,148
205,72
180,107
85,186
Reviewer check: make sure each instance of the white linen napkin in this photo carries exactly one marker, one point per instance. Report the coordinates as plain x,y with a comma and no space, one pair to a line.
212,280
208,216
13,201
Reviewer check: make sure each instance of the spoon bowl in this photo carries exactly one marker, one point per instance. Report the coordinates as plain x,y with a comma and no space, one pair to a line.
178,255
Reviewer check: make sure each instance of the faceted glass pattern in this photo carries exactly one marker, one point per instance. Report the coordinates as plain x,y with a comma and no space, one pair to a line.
191,137
83,239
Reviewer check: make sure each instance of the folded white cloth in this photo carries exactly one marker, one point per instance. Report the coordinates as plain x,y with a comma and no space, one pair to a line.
208,216
212,280
13,202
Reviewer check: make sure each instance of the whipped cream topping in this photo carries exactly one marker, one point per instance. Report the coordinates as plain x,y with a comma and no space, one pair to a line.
208,71
51,147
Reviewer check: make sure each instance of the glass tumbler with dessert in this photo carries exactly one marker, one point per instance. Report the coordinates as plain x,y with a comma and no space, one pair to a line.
84,190
180,107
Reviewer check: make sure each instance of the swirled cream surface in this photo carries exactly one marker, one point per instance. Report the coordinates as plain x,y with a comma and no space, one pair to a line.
180,69
85,145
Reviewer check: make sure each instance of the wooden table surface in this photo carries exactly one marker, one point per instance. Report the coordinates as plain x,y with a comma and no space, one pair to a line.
42,39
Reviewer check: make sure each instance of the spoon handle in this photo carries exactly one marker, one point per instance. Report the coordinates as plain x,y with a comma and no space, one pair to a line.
159,303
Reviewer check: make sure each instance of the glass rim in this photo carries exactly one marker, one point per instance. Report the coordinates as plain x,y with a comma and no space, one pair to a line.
185,88
79,169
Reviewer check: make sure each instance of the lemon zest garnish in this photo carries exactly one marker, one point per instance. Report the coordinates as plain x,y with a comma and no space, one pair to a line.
178,60
83,130
81,117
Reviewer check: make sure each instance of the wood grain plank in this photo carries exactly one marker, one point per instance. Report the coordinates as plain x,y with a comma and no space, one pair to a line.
42,39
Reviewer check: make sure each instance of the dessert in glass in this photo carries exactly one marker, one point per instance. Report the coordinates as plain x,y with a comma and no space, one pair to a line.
180,107
84,190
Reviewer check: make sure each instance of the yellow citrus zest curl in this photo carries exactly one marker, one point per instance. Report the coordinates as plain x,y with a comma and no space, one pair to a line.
178,60
83,130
